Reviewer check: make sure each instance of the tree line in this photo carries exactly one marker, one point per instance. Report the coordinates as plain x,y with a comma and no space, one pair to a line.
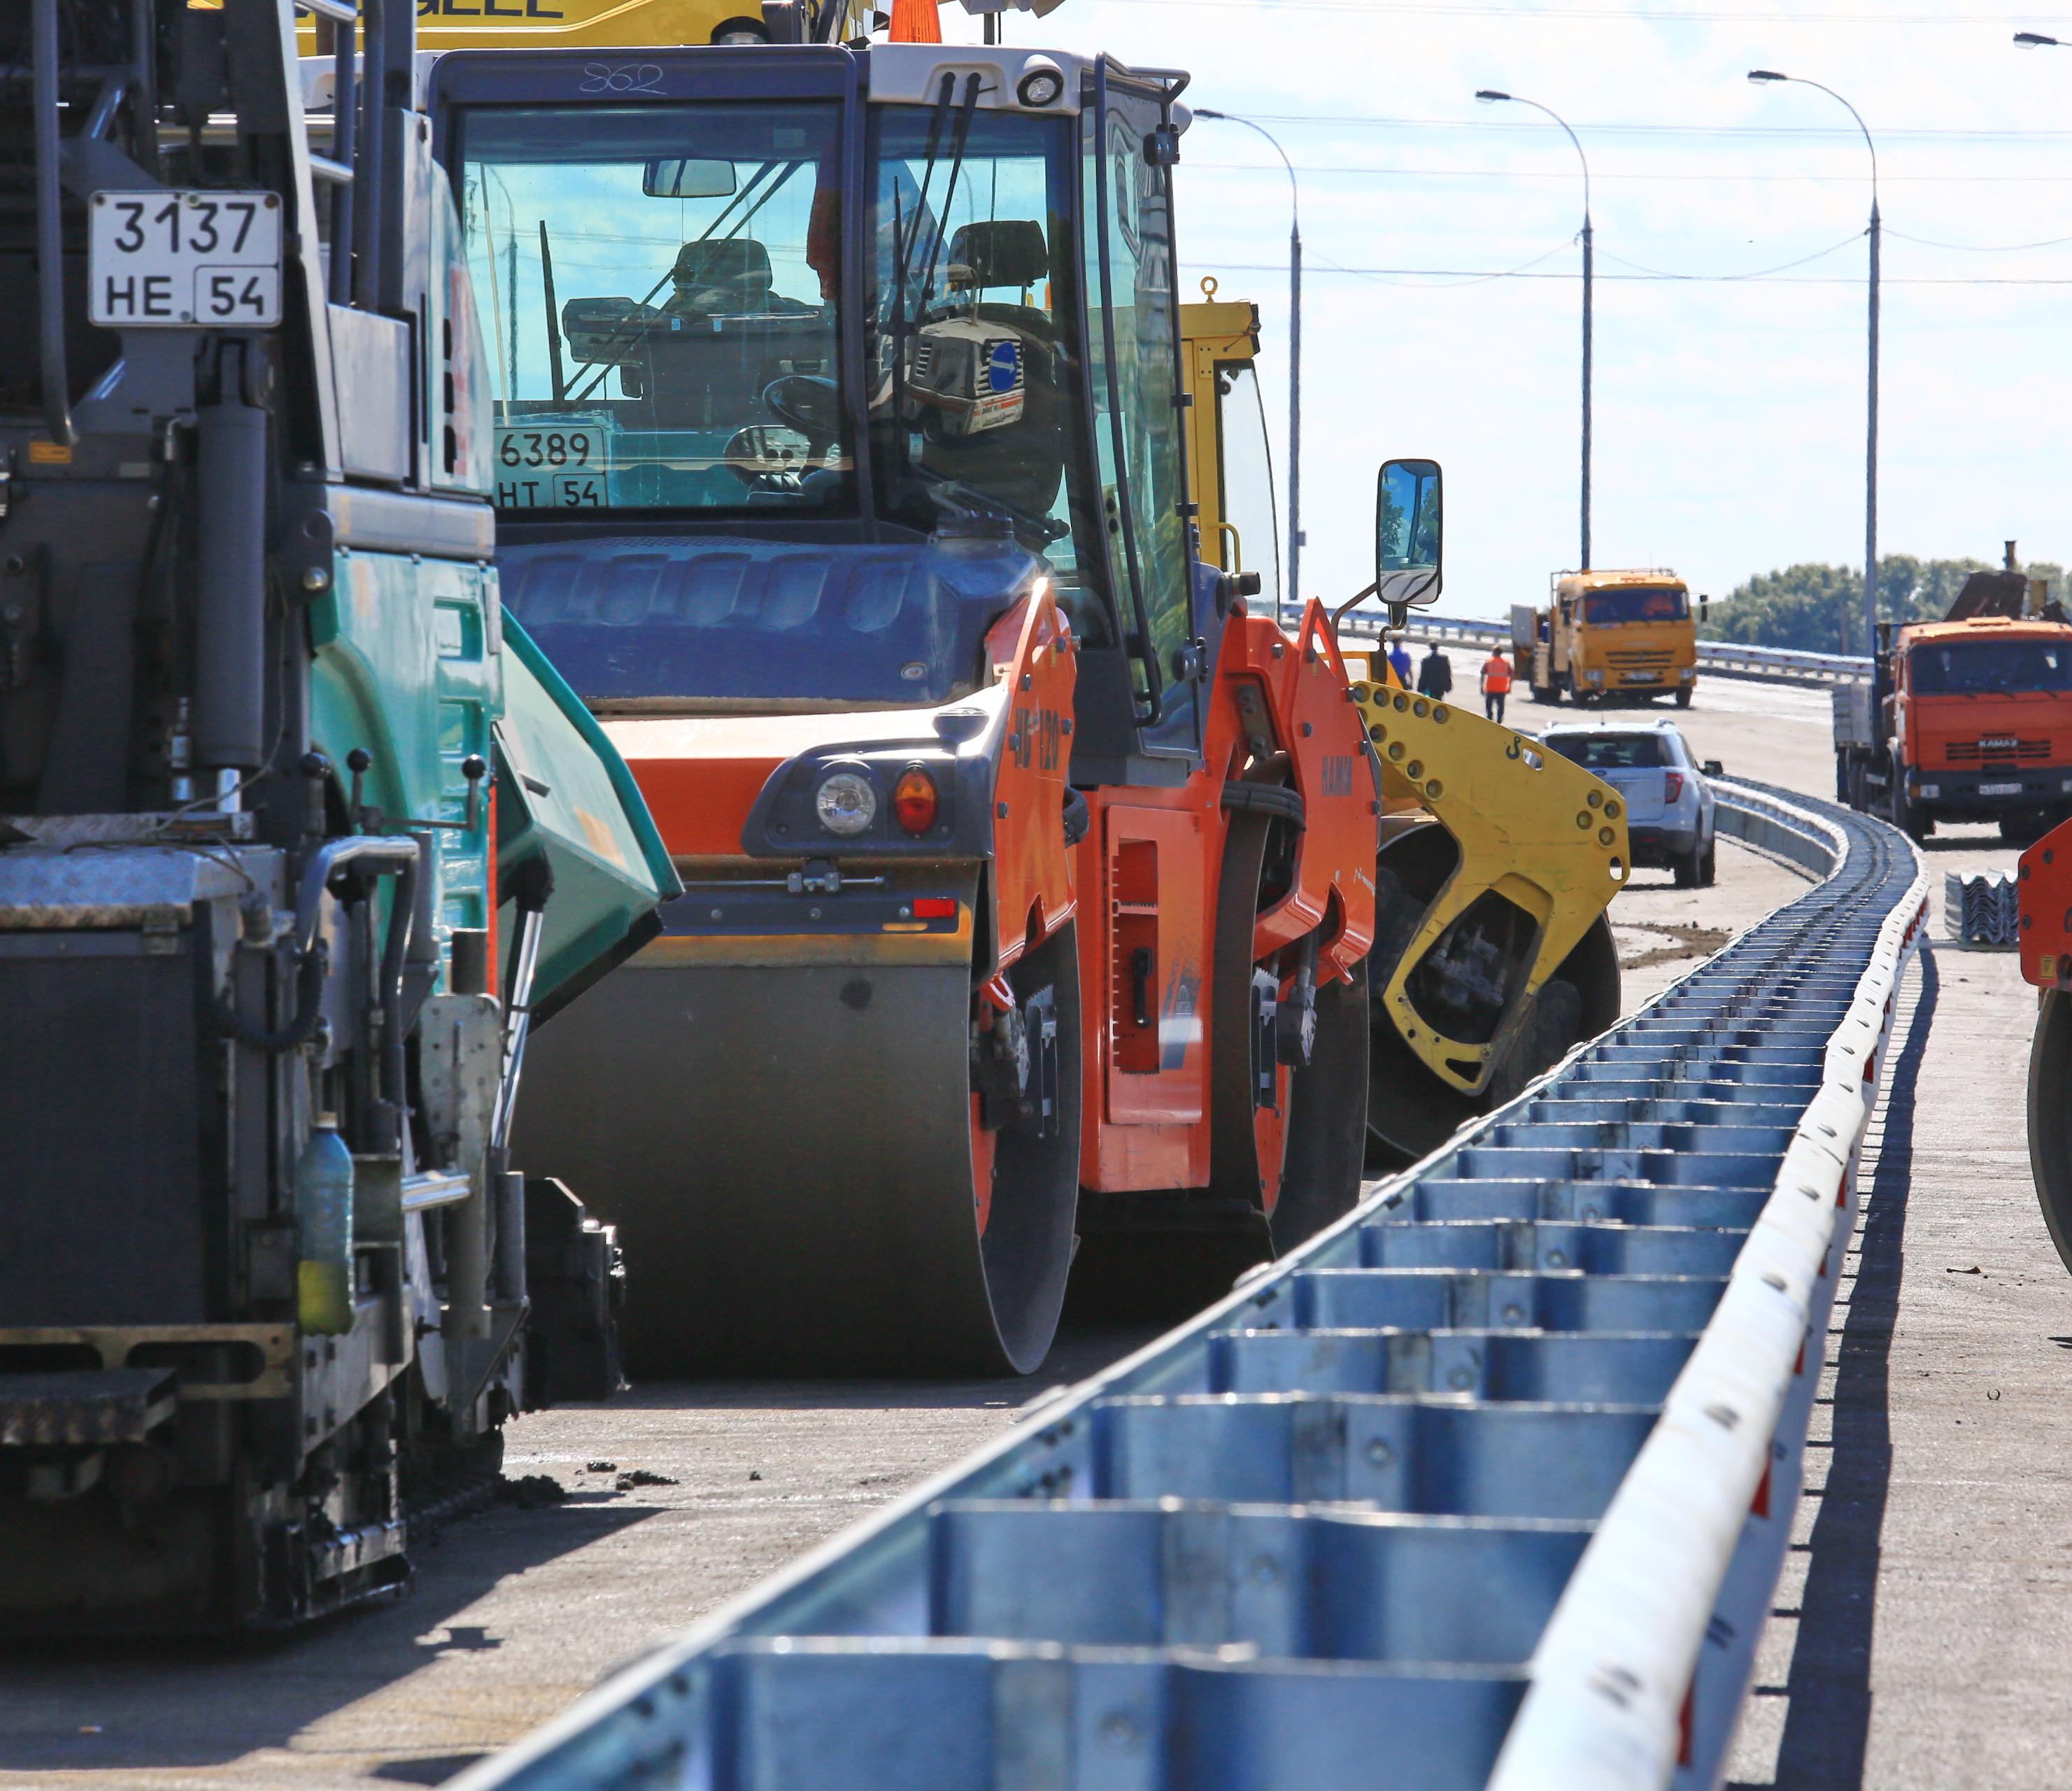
1805,607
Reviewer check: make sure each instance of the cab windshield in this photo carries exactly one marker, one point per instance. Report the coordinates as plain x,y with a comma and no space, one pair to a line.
659,283
971,355
1996,668
1612,607
1251,538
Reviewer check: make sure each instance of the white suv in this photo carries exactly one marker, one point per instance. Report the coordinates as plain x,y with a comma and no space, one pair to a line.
1669,803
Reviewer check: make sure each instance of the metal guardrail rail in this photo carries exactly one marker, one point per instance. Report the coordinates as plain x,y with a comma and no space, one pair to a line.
1723,658
1982,908
1489,1483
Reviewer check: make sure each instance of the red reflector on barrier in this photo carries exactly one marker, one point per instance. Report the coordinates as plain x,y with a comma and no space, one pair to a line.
935,908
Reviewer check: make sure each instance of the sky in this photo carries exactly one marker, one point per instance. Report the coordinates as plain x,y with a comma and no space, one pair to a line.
1729,411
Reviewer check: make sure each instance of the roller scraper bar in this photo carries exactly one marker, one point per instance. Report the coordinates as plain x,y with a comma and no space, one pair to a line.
1489,1483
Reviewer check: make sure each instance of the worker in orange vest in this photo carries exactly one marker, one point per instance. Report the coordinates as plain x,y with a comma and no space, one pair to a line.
1496,684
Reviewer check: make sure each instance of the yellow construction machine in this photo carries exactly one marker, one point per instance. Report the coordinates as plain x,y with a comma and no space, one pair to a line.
619,24
1496,860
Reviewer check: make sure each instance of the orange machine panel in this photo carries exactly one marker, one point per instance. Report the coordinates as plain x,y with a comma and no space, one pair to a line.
2045,896
1316,724
1032,867
1147,1075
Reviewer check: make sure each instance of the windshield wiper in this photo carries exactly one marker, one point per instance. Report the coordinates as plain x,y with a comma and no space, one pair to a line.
904,239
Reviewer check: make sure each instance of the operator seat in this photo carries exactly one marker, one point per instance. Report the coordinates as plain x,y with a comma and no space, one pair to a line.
1023,462
721,277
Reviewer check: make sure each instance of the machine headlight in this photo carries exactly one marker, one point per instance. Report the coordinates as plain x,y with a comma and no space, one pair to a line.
1594,677
1042,82
846,804
1688,673
1929,790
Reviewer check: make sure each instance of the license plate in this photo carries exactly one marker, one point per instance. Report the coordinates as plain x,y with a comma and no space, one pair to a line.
184,260
2000,789
559,466
1640,678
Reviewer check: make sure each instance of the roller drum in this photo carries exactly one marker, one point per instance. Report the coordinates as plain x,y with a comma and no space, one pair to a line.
788,1152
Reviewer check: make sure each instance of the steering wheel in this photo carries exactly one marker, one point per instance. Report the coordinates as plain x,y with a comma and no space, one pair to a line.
810,404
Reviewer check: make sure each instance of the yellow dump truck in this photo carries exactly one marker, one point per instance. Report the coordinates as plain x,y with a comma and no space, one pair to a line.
1608,637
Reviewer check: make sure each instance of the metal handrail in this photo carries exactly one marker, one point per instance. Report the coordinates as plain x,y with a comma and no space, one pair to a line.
1724,658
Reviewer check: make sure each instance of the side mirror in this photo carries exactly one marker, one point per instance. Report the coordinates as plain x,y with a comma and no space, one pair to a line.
1704,607
1407,535
679,177
1713,767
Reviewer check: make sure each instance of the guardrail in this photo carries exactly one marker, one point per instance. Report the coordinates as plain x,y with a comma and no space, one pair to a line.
1496,1475
1722,658
1783,664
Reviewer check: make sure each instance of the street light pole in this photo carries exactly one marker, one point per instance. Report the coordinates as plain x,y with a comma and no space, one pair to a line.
1294,358
1489,95
1764,77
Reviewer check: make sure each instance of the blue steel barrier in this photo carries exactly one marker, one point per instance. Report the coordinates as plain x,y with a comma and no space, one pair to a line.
1723,658
1489,1483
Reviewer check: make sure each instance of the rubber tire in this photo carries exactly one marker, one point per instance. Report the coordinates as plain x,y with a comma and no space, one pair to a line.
1687,867
1683,696
1235,1173
1906,817
1320,1179
1410,1111
1325,1137
1578,1001
1549,1032
1708,867
2050,1117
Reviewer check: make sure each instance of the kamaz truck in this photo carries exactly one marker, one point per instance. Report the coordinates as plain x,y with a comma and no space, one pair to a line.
1966,720
300,837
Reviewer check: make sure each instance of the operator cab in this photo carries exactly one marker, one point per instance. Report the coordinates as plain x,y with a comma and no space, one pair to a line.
796,392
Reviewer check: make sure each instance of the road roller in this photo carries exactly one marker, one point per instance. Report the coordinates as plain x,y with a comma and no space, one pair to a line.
299,838
843,436
1028,874
1493,955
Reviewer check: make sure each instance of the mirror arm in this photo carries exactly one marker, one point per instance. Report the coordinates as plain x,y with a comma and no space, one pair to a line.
1357,598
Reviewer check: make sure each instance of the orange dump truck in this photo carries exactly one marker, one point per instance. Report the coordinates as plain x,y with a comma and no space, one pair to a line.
1969,718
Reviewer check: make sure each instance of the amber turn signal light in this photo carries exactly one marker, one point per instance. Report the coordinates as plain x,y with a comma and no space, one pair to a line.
914,799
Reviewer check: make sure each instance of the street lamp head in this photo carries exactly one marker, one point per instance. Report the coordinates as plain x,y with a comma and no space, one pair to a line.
1761,75
2036,40
1488,94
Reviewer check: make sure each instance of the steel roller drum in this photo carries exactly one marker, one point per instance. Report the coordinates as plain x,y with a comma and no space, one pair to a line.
788,1151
